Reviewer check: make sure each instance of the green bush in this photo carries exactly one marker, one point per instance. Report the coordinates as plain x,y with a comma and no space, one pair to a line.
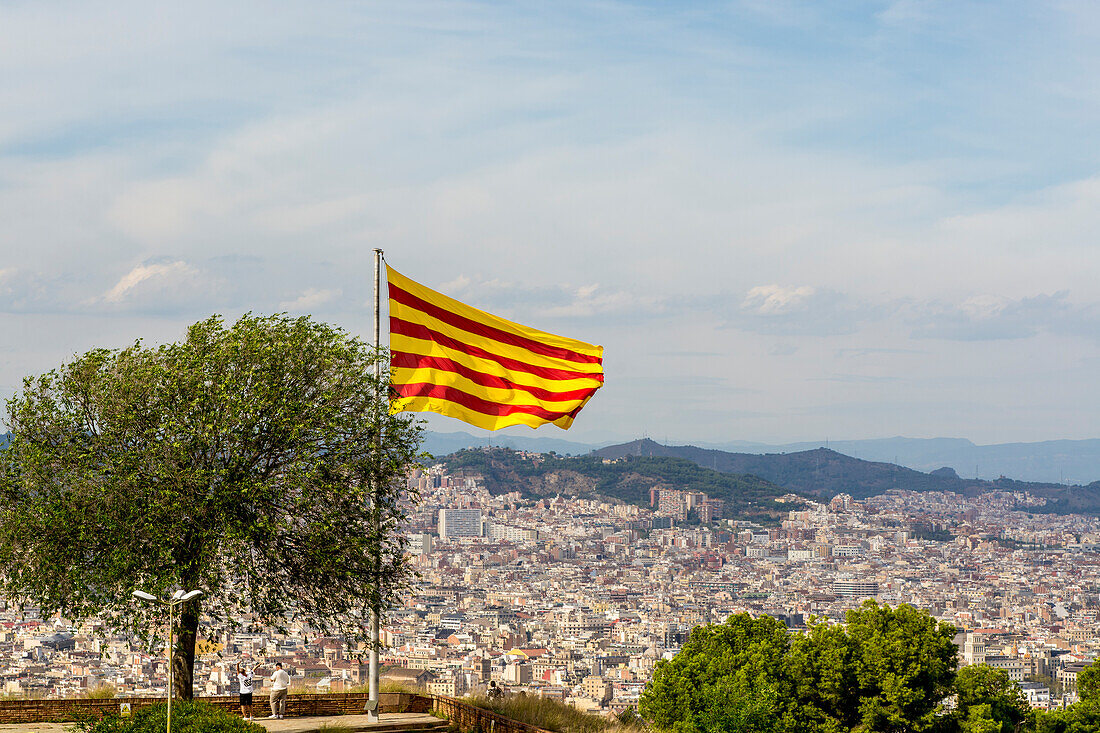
187,717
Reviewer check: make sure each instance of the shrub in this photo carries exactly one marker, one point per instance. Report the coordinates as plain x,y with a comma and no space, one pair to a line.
102,691
629,717
543,713
395,686
187,717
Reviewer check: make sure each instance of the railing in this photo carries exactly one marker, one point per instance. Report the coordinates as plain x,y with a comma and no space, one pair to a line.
472,719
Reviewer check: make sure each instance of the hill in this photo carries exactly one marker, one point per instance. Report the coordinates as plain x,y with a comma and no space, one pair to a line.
1060,461
628,479
820,472
825,473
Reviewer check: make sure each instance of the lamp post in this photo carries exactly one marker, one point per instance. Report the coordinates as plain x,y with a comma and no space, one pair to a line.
177,598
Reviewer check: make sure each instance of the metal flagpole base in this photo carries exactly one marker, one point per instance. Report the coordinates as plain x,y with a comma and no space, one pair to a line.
373,696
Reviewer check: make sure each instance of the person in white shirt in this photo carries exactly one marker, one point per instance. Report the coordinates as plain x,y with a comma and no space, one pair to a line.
280,681
244,682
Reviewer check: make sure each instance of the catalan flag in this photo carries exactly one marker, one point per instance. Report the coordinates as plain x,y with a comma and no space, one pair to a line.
455,360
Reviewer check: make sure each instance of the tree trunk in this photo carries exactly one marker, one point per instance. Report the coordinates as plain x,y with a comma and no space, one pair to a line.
183,656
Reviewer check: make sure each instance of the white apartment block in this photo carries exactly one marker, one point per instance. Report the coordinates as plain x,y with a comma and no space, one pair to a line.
459,523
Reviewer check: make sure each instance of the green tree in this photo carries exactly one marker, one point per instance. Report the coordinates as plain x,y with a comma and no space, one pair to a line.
730,706
243,461
823,674
980,719
1081,717
886,669
1088,684
904,665
986,694
727,678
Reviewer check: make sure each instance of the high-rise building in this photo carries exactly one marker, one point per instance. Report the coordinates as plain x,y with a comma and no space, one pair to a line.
710,510
670,503
459,523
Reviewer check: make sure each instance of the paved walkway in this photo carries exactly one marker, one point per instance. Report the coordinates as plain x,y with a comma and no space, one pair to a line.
389,722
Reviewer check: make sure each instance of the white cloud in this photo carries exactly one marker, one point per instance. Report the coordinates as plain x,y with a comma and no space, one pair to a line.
21,291
457,285
776,299
802,310
311,298
984,307
588,301
162,286
993,317
162,273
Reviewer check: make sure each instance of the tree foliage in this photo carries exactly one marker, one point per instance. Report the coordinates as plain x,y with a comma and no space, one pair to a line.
904,665
243,461
727,677
1081,717
987,699
1088,684
886,669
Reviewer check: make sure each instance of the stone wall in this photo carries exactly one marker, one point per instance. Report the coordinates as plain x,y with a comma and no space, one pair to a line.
350,703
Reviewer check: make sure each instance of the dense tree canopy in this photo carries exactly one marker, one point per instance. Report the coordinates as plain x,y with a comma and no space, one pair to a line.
884,670
987,700
727,677
252,462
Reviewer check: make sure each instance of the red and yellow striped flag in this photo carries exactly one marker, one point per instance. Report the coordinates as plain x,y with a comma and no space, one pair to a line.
453,359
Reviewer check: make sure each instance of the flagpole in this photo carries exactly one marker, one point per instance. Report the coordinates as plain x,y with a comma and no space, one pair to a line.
376,600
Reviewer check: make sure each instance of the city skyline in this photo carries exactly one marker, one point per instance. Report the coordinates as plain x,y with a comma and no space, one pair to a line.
577,598
783,221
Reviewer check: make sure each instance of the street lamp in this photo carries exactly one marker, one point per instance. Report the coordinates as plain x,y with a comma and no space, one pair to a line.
177,598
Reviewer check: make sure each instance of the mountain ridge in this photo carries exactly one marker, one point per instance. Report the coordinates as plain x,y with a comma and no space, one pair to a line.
1050,461
824,472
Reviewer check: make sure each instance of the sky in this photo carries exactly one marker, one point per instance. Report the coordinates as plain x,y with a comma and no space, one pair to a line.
783,220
